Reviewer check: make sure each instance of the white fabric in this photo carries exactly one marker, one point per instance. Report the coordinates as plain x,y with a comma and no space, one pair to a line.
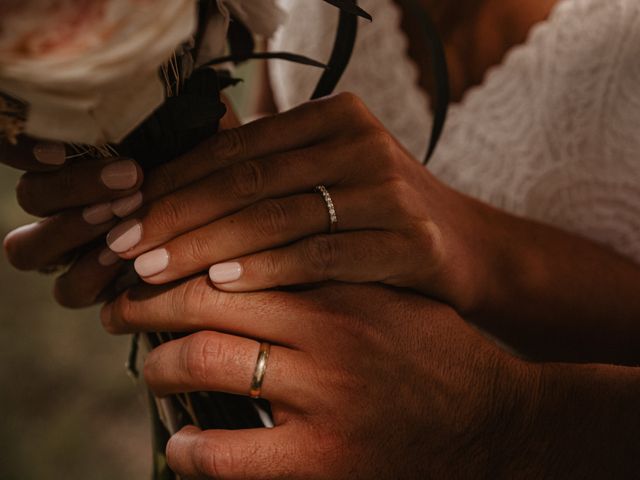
552,134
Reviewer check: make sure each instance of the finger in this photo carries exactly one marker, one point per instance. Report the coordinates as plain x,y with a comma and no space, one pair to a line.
313,121
253,454
212,361
78,184
44,243
194,305
362,256
33,156
222,194
89,276
263,225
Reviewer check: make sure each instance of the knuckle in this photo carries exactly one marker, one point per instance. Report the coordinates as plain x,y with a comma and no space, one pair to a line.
151,369
351,102
195,295
123,315
247,180
341,105
429,237
270,218
168,214
271,269
321,253
398,195
199,352
382,151
220,462
197,251
230,143
383,143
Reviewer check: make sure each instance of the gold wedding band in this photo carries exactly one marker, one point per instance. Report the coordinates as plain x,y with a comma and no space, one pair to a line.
261,368
333,216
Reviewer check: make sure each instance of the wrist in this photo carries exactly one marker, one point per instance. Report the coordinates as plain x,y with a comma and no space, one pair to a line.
517,401
581,422
484,261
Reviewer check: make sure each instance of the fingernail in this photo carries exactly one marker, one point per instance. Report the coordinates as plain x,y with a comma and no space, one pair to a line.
120,175
123,207
97,214
50,153
225,272
107,258
152,263
125,236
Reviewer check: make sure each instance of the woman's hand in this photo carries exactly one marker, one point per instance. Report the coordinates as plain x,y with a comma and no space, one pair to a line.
81,199
364,381
257,222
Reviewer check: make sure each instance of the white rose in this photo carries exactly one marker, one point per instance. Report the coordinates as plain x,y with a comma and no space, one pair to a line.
87,69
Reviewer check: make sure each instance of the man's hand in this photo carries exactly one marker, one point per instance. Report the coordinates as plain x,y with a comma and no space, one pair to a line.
369,382
364,381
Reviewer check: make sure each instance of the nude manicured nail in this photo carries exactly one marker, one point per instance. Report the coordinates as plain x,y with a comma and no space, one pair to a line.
107,258
125,236
97,214
152,263
123,207
120,175
50,153
225,272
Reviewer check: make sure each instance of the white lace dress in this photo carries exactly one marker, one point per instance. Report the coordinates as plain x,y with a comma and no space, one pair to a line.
552,134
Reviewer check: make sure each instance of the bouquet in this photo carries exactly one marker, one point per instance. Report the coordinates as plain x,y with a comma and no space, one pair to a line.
142,78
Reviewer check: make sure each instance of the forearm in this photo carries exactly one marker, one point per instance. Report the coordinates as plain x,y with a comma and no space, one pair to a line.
585,425
556,296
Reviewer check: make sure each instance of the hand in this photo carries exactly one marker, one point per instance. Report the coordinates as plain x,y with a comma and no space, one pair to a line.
364,382
81,201
256,218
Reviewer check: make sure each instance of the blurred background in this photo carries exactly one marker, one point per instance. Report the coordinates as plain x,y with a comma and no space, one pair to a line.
68,409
